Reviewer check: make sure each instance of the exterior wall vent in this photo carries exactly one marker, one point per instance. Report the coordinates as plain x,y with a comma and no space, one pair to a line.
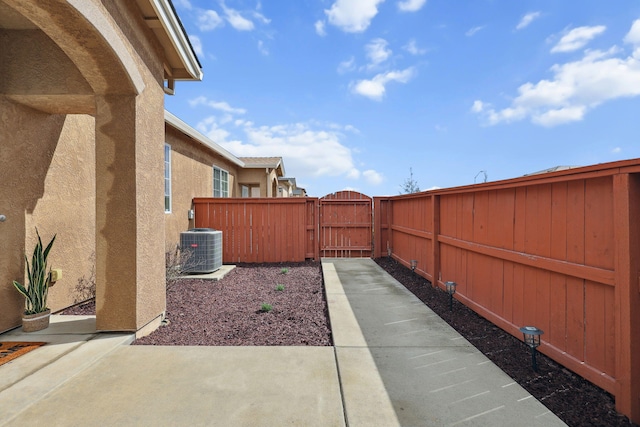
205,248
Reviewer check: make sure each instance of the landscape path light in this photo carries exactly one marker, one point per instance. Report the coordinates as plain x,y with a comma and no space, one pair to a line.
451,289
414,264
532,339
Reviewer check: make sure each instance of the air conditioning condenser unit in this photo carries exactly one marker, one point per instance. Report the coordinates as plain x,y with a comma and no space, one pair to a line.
202,250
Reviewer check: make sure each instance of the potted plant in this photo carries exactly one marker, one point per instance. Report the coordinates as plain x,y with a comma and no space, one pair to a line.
36,314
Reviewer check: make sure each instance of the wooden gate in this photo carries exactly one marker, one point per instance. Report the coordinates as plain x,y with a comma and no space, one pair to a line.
346,225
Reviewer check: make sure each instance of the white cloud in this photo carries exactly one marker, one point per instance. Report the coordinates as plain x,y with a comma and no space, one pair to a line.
413,48
477,107
310,150
347,66
260,17
574,89
186,4
211,128
633,36
209,20
577,38
411,5
474,30
197,44
352,16
616,150
262,49
236,20
319,25
373,177
377,52
528,19
216,105
375,88
353,174
307,151
560,116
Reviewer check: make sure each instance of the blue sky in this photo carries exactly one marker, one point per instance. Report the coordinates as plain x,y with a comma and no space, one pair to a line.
354,93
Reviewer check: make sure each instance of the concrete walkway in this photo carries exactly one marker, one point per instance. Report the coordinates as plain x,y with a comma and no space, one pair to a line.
394,362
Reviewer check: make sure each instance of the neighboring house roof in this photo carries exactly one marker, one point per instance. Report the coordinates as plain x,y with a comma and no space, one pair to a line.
181,60
181,126
553,169
264,162
291,181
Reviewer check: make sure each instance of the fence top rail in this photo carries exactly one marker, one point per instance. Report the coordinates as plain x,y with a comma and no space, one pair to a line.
347,195
254,200
585,172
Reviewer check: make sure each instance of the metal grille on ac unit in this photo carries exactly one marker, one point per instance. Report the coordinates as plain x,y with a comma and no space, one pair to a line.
204,248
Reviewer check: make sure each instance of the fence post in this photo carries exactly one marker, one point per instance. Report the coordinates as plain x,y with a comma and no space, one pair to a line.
435,244
626,200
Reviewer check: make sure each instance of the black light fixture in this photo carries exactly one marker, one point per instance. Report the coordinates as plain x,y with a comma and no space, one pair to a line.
414,264
532,339
451,289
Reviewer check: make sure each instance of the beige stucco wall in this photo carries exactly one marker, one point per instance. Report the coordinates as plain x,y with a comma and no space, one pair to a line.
82,156
259,176
67,209
191,176
47,183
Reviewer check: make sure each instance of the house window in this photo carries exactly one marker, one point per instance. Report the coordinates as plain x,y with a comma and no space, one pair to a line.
220,182
167,178
248,190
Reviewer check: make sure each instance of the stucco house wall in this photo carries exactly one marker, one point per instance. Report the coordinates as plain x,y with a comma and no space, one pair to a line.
191,176
263,172
82,146
48,183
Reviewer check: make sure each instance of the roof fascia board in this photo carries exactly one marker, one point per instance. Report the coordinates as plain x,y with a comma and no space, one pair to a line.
188,130
178,38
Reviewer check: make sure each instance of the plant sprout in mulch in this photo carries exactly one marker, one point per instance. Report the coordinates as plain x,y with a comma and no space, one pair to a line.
280,288
265,307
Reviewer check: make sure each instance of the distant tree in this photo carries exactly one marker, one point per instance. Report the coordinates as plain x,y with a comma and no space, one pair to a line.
410,185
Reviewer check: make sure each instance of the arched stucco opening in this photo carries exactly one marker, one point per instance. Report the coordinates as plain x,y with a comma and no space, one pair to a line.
80,109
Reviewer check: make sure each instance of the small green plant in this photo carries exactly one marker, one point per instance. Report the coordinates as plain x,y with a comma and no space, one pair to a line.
280,288
265,308
37,289
284,270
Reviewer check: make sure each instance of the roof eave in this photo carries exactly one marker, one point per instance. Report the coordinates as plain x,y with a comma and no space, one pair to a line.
197,136
174,30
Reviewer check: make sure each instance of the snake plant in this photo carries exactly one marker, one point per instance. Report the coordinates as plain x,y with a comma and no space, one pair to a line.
38,277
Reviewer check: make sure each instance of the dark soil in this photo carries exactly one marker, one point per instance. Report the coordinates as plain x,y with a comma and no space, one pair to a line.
228,313
573,399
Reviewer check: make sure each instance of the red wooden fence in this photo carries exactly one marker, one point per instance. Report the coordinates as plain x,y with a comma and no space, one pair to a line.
345,226
559,251
262,230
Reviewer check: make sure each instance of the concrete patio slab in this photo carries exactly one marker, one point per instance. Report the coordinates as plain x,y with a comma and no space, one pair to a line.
215,276
198,386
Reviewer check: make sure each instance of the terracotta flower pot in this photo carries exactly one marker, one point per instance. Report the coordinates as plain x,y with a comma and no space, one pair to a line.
35,322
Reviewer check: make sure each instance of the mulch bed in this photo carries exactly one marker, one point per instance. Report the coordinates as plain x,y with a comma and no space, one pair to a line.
228,313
